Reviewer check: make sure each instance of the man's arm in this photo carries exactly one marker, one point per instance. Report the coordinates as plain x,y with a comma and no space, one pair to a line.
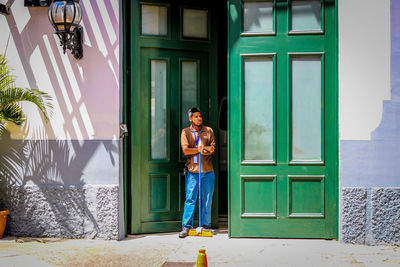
209,150
190,151
185,146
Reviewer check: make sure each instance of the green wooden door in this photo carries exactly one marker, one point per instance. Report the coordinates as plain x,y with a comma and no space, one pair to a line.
168,77
283,119
173,58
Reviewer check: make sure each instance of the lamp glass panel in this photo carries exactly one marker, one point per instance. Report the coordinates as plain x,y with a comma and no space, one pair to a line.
69,12
58,15
306,15
258,17
195,23
58,12
78,13
154,20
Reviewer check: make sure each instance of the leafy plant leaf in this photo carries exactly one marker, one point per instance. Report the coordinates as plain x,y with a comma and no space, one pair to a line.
11,97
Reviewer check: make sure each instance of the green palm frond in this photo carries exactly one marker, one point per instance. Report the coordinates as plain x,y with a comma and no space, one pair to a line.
6,79
15,95
11,97
14,114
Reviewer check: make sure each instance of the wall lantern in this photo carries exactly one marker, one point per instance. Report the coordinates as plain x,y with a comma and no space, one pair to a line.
65,17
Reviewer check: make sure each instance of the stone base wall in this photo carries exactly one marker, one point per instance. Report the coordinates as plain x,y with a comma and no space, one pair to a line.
68,211
370,215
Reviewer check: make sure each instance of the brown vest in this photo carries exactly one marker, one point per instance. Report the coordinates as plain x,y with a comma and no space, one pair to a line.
207,139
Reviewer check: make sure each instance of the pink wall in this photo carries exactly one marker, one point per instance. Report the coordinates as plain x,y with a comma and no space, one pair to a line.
86,92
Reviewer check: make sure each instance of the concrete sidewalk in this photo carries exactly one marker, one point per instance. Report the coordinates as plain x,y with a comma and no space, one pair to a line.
156,249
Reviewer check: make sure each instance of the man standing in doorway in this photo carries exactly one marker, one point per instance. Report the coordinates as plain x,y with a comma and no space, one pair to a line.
196,139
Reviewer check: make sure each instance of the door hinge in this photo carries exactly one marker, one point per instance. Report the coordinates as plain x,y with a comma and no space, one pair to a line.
123,131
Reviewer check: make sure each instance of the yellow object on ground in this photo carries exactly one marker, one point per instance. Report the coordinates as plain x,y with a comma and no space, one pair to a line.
202,258
205,233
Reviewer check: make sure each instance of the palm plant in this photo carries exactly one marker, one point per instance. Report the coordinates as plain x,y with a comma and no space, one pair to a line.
12,96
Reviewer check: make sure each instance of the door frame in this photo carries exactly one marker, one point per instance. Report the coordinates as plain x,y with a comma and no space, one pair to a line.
130,11
126,69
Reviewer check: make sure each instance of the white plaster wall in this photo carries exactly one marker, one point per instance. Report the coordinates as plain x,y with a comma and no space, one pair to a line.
364,66
85,92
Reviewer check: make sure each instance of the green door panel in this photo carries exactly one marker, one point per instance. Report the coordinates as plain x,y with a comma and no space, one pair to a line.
283,133
162,180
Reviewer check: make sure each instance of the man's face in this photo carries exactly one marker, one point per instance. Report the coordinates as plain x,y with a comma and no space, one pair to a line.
196,119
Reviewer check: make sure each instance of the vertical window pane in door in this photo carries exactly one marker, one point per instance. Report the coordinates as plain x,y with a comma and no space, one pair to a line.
306,15
258,17
306,109
195,23
158,106
258,109
154,20
189,89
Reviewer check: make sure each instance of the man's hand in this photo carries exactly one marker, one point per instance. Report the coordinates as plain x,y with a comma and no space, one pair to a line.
208,150
200,148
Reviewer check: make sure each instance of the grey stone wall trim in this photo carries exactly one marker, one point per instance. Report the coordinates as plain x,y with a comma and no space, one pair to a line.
68,211
353,215
385,216
370,216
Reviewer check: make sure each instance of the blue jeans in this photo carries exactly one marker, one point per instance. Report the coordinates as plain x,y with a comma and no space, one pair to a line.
192,188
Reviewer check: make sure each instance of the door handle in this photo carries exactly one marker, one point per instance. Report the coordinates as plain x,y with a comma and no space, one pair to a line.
123,131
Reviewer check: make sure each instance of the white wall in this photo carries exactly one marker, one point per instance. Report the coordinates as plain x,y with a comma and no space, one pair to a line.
85,92
364,66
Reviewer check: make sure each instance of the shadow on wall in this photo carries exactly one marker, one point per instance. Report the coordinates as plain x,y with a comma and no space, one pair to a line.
42,184
376,162
86,91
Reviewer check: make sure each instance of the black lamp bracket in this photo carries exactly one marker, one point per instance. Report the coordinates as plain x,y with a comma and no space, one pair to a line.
5,8
72,41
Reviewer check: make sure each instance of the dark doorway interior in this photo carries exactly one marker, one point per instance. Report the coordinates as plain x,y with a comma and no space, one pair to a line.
222,113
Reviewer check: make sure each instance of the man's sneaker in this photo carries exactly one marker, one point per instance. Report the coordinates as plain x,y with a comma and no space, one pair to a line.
184,233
